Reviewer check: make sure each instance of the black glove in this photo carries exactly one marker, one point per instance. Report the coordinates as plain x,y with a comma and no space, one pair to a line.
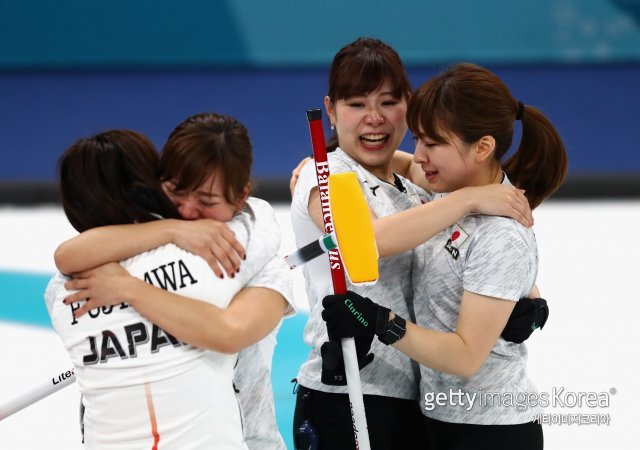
350,315
528,314
333,371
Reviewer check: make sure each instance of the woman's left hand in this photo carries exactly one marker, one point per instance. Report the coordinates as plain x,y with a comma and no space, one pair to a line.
101,286
500,200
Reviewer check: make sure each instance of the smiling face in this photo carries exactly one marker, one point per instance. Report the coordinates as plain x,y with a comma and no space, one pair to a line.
207,201
370,127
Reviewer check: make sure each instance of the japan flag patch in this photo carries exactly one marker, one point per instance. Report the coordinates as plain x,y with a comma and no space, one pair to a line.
457,237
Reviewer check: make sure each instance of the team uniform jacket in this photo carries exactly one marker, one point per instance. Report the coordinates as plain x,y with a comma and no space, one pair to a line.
143,387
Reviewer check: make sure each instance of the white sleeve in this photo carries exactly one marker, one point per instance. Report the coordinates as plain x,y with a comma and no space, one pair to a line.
276,276
55,289
306,182
265,226
263,241
501,261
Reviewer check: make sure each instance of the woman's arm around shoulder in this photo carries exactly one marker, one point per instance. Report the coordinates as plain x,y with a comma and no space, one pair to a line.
212,240
252,314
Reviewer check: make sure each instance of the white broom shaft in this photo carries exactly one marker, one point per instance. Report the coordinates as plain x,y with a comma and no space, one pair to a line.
354,387
38,393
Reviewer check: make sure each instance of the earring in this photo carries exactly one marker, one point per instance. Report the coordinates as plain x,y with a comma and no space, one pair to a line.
333,127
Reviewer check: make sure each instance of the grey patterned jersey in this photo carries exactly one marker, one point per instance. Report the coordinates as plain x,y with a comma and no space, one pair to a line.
252,374
490,256
391,373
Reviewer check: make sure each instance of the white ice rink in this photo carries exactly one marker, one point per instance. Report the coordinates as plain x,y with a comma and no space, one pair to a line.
588,272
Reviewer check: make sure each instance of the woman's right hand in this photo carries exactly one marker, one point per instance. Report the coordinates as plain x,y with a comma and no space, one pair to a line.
105,285
500,200
295,174
213,241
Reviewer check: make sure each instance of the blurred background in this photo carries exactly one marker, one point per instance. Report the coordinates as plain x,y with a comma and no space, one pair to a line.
73,68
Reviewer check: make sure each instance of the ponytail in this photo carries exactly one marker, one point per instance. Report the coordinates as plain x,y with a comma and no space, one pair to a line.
539,165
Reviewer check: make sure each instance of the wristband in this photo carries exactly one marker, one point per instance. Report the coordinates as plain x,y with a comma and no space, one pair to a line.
394,331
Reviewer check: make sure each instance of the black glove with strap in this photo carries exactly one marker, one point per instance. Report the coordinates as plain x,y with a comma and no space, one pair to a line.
333,371
527,315
351,315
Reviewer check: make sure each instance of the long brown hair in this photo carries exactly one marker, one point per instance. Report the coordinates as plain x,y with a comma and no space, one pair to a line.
363,66
110,179
203,143
470,102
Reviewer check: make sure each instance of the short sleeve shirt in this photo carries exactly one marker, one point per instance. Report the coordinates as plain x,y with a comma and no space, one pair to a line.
491,256
393,288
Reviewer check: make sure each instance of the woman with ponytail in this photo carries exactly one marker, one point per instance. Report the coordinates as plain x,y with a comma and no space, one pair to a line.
468,278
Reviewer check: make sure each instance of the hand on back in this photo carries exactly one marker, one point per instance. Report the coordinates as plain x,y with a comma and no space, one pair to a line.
213,241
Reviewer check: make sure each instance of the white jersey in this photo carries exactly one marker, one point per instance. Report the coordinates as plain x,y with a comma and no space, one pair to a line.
391,374
140,385
490,256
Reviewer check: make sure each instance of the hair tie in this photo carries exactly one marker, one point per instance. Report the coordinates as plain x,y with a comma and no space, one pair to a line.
520,112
